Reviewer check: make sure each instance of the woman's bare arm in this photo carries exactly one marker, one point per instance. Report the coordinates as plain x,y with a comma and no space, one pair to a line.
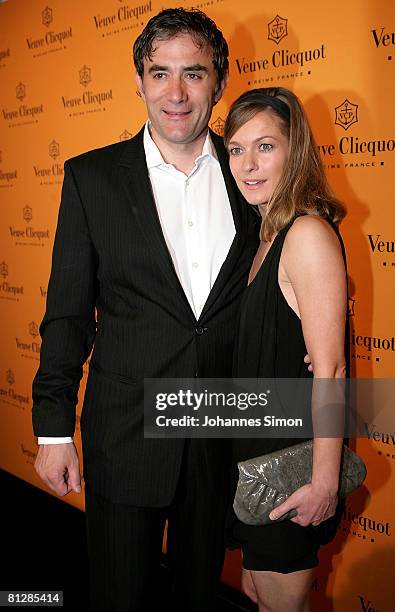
313,278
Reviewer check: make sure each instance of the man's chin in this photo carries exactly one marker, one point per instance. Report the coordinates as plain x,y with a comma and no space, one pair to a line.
179,136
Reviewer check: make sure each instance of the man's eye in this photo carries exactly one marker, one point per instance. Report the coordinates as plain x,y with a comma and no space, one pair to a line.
235,151
159,75
265,146
193,76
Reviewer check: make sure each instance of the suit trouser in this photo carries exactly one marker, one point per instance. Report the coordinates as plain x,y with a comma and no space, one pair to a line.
125,544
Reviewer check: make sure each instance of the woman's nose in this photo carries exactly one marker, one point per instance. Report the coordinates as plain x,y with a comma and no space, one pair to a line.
250,162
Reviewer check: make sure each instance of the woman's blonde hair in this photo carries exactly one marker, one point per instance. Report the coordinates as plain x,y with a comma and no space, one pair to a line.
303,187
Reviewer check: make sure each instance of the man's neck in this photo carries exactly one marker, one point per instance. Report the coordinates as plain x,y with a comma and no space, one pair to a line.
180,155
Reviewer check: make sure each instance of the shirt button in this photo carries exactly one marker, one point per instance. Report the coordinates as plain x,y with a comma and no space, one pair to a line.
200,330
190,223
186,183
195,264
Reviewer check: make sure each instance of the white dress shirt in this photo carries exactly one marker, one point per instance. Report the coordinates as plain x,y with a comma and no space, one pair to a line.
196,220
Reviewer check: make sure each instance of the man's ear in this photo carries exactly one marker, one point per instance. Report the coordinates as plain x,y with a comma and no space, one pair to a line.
219,90
140,88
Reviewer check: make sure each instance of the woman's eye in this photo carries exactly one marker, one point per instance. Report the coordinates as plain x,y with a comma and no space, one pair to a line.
235,151
265,146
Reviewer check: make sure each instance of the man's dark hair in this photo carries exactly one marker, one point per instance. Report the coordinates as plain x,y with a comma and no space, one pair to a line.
173,21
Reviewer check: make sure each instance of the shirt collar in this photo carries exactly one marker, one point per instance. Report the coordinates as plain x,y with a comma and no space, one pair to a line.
154,157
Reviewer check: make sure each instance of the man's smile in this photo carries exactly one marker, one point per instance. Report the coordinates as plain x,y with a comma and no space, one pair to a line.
176,114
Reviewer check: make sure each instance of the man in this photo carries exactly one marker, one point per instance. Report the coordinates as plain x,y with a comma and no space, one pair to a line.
153,236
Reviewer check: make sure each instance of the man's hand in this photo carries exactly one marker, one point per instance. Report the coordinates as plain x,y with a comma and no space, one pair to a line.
58,466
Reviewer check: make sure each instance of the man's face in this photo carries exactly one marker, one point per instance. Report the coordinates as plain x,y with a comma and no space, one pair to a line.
180,88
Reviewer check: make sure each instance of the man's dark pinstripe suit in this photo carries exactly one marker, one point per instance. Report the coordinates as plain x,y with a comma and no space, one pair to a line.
110,256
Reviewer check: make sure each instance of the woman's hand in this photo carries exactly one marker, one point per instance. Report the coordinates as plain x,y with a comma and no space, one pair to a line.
314,504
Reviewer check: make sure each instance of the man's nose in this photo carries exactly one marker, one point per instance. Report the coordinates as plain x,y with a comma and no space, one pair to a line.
177,90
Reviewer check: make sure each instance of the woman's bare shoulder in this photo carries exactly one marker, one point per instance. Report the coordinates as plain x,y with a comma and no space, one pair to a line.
313,231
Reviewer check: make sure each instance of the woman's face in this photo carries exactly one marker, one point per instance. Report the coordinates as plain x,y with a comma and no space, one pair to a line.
258,152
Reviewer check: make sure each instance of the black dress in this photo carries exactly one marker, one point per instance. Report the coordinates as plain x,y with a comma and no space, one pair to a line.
270,344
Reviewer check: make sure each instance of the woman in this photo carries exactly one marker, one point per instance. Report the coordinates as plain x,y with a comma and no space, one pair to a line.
295,304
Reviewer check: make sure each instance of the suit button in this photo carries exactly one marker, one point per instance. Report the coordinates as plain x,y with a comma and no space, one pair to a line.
200,330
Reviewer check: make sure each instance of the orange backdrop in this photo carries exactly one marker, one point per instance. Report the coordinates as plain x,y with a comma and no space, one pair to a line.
68,86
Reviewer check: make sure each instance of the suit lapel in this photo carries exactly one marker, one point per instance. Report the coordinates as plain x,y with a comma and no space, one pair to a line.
137,188
239,212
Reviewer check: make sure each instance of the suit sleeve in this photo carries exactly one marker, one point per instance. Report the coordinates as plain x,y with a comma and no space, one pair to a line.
68,327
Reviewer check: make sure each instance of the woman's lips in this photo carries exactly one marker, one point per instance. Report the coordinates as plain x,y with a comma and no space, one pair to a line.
252,185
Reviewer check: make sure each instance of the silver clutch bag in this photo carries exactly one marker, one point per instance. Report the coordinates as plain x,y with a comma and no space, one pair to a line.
266,482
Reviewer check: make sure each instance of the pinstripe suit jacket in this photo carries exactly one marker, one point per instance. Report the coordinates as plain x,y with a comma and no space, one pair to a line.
110,258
